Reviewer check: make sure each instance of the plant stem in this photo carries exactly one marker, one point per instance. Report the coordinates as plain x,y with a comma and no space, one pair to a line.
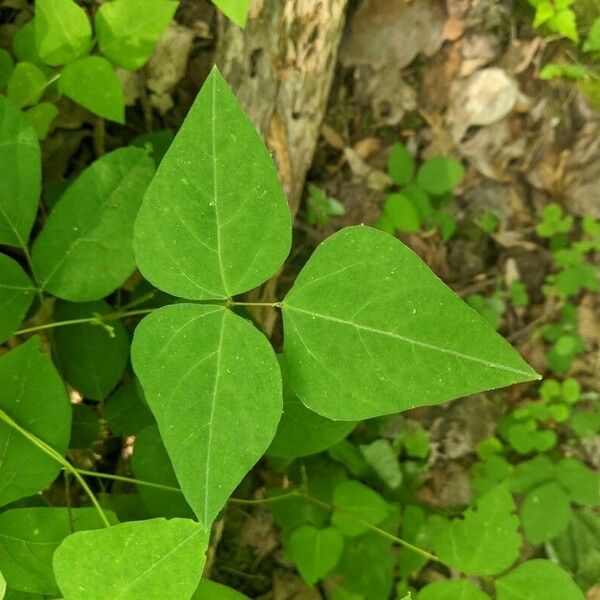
158,486
373,528
95,319
271,500
271,304
59,458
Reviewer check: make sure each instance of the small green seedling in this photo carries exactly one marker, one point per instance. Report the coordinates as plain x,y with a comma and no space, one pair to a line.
419,201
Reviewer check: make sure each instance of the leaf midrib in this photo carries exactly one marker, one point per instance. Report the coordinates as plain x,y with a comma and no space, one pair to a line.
408,340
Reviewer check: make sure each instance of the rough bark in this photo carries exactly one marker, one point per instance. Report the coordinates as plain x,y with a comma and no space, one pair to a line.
281,67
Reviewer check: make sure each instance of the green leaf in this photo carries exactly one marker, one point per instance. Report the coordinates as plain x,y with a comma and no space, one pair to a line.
383,459
28,539
357,506
592,41
578,549
85,250
210,590
217,399
85,429
23,44
370,330
26,84
88,356
367,568
537,579
301,431
126,412
416,443
128,30
92,83
400,212
41,117
2,586
486,541
440,175
150,462
565,23
16,294
202,233
140,560
531,473
33,395
62,31
20,175
401,165
236,10
316,552
581,482
7,66
538,505
451,590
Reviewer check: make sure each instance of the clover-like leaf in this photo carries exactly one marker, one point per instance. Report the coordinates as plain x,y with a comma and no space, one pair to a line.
214,221
139,560
315,552
539,503
213,383
370,330
486,541
537,579
33,395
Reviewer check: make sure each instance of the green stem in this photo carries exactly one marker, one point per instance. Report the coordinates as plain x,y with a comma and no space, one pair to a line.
158,486
271,304
374,528
271,500
99,319
59,458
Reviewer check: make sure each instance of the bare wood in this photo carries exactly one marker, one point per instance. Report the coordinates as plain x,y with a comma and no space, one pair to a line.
281,67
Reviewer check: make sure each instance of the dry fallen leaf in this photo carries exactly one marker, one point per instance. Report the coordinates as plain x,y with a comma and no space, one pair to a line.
484,98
